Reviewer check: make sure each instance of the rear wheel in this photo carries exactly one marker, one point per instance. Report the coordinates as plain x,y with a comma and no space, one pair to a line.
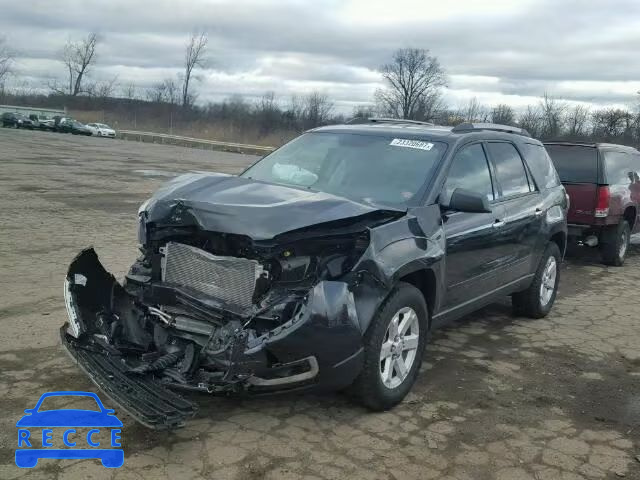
393,349
616,244
537,300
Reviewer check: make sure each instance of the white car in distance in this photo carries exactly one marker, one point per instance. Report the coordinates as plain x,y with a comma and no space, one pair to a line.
101,130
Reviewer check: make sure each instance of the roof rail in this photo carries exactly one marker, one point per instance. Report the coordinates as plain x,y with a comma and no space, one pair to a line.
398,121
470,127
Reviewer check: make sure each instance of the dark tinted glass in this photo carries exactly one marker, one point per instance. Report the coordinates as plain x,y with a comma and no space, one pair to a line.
470,171
575,164
510,171
618,167
541,166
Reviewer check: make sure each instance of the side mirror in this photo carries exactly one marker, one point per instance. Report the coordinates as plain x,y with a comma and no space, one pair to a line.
467,201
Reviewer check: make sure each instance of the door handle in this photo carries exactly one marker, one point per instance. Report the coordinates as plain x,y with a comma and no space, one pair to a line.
498,224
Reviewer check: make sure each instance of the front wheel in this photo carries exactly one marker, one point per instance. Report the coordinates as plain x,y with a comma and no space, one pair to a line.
537,300
393,349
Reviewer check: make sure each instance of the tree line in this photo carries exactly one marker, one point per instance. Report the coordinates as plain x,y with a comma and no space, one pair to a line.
414,85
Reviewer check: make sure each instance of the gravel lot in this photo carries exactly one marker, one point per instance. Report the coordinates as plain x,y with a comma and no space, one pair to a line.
498,397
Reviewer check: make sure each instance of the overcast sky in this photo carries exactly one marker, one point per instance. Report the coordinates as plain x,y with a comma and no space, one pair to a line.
508,51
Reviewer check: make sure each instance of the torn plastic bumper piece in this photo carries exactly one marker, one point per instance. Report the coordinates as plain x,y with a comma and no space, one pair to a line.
142,397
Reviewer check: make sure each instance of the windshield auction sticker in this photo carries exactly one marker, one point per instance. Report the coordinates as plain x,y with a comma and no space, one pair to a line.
404,142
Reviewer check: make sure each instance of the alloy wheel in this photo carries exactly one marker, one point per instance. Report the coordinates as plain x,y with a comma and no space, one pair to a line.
399,347
549,276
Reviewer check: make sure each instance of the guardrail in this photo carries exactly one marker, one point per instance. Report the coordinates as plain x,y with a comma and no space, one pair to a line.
164,138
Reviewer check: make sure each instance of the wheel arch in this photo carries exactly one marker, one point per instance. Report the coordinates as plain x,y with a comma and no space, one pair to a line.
425,280
560,239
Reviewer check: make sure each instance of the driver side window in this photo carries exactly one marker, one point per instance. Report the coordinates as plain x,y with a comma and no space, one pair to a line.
470,170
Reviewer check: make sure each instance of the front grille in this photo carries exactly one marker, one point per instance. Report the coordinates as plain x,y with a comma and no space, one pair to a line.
230,279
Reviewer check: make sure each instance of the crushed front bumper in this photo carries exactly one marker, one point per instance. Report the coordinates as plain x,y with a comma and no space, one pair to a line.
319,348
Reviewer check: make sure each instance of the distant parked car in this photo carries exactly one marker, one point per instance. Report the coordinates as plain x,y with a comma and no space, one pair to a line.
47,124
62,124
16,120
603,183
101,130
68,125
41,122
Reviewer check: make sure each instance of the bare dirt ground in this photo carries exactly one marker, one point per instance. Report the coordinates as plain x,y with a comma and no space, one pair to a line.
499,397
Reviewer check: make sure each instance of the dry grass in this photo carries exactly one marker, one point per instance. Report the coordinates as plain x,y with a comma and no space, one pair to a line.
225,132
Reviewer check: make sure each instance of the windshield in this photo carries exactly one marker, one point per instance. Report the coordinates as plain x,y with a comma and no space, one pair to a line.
373,169
575,163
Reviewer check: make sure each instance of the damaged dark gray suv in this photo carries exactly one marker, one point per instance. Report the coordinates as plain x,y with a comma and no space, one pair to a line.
323,266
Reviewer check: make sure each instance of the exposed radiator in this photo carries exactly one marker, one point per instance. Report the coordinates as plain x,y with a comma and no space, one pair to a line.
230,279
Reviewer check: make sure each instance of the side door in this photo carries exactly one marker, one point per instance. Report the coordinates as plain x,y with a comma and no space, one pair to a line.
472,239
524,208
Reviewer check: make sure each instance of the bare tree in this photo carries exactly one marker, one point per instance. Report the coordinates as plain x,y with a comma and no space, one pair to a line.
293,114
267,112
610,123
165,91
431,108
363,112
475,111
317,109
193,57
102,89
411,77
78,58
6,62
130,91
503,114
552,112
576,121
531,120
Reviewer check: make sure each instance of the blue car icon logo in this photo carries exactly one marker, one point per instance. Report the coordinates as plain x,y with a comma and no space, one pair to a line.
32,447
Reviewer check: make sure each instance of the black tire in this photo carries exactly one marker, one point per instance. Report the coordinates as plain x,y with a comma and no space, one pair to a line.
615,244
529,303
369,388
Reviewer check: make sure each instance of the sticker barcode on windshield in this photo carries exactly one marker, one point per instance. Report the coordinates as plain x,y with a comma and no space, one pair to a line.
404,142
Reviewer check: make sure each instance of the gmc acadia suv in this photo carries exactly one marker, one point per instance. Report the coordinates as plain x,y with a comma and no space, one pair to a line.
323,266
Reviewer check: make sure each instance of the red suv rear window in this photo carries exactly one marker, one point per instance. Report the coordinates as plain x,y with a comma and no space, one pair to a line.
575,163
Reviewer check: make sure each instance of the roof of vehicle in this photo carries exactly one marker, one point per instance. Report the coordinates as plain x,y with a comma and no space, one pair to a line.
412,129
592,145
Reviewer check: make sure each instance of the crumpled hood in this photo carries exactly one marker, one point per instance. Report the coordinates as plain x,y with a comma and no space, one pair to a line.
236,205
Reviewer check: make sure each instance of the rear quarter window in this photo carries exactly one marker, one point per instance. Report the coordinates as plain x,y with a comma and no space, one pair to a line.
575,163
541,166
618,167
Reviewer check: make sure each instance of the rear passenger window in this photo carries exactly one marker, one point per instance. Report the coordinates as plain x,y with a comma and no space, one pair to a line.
470,170
510,171
541,166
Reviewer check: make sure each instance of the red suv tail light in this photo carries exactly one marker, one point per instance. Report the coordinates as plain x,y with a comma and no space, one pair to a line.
602,203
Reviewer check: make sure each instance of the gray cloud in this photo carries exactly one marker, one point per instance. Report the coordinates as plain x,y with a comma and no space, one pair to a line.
579,50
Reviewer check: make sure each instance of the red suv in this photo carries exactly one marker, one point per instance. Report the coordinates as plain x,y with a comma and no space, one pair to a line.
603,183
